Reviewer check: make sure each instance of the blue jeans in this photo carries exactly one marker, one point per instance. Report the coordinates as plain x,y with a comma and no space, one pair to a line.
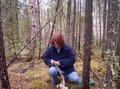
53,72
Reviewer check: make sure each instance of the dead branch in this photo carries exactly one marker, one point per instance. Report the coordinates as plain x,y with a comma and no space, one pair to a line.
13,59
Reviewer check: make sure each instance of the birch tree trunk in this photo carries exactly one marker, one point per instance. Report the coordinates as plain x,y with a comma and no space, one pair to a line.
34,27
39,28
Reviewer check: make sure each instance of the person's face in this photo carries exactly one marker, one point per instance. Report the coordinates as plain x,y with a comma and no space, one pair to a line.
56,45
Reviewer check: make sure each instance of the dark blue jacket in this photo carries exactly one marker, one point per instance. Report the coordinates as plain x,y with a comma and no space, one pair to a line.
66,57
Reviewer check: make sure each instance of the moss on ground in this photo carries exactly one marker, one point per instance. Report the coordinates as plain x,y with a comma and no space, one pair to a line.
38,77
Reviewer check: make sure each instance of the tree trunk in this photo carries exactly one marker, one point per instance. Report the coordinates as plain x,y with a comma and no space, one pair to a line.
53,25
39,28
104,30
87,43
28,26
34,27
60,15
79,37
3,69
68,23
17,22
118,32
99,22
73,25
108,83
118,48
97,33
111,42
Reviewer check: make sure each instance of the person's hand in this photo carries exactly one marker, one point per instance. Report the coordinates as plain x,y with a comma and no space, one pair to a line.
55,62
52,61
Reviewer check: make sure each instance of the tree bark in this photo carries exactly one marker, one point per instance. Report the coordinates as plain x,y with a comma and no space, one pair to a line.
87,43
104,29
79,37
99,4
3,69
96,22
73,25
53,25
118,33
39,28
111,42
34,27
118,48
68,23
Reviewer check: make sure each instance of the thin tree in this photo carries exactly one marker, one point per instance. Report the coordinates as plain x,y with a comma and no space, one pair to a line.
74,24
87,43
104,28
68,23
60,14
118,31
96,22
99,5
39,27
54,21
3,69
28,25
79,37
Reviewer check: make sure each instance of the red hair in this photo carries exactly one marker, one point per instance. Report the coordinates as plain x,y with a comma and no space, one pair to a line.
58,39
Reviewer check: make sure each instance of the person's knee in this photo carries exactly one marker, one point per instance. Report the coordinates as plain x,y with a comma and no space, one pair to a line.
74,77
52,71
75,80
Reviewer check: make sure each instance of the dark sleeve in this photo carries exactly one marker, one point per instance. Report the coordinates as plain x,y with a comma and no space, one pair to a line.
69,60
46,56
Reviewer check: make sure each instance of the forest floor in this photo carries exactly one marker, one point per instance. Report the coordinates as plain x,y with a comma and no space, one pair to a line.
34,75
